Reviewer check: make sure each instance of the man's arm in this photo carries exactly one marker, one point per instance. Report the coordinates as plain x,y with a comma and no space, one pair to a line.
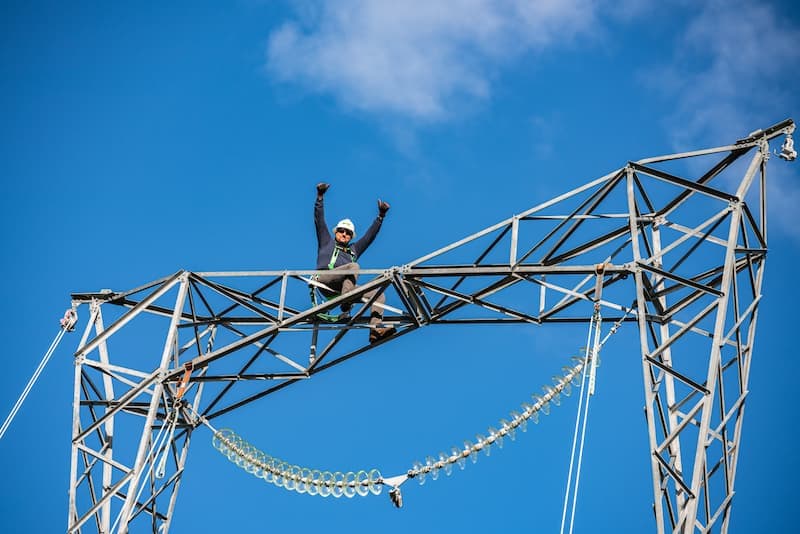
319,214
369,236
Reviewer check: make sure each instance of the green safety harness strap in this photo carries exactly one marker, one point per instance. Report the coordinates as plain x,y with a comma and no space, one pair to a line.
324,316
335,254
314,292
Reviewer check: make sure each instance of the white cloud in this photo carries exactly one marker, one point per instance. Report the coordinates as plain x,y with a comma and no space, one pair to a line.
731,69
416,58
734,71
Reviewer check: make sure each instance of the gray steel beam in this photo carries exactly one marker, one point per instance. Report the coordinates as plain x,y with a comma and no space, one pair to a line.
686,285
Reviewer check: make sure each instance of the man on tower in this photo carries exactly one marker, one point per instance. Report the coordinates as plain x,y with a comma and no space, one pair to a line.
338,253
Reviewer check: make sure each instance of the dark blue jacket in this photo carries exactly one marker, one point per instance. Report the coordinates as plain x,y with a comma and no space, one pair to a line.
326,242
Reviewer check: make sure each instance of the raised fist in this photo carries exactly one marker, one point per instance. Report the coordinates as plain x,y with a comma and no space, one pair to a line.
383,207
322,187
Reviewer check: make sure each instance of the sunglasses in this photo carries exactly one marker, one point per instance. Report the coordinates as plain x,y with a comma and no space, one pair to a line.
344,231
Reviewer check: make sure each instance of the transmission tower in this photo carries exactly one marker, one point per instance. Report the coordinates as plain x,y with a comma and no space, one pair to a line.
673,244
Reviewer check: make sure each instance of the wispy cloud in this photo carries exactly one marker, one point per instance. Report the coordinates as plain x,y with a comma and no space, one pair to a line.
416,58
731,68
734,70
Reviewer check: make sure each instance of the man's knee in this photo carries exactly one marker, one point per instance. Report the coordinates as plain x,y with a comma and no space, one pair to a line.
353,277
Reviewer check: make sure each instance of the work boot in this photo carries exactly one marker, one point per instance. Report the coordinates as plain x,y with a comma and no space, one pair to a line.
377,334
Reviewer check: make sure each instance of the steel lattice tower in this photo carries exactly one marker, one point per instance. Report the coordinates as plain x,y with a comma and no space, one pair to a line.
680,257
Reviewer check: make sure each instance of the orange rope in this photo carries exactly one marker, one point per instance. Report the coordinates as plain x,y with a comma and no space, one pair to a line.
189,366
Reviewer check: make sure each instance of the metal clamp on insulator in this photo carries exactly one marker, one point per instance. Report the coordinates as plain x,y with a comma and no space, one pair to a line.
68,321
396,497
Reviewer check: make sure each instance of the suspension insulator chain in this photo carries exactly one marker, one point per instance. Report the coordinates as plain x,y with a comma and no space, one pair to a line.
365,482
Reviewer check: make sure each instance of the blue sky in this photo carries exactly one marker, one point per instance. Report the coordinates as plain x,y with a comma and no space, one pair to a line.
144,138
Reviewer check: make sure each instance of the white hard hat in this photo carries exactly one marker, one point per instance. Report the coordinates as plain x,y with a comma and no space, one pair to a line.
347,224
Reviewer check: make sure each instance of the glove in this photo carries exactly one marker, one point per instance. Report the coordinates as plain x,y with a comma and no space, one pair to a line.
322,187
383,207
